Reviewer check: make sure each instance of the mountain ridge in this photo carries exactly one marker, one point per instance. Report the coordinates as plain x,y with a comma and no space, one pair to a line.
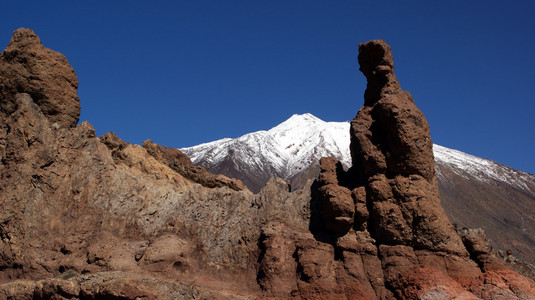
204,155
468,184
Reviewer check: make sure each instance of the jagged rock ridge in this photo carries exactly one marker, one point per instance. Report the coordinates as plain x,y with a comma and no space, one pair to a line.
120,219
86,217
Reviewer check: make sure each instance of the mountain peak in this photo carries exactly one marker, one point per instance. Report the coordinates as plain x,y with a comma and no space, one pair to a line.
299,119
305,116
283,151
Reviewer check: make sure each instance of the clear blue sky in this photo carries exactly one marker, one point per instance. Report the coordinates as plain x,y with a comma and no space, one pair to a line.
187,72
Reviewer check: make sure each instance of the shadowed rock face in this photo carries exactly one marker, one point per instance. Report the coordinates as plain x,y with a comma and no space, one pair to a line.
86,217
389,135
392,153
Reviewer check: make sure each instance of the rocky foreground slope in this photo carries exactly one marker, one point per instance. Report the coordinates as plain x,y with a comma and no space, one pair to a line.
86,217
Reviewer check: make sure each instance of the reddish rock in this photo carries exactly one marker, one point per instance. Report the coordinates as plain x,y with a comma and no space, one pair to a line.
336,204
395,240
392,152
26,66
422,283
276,273
181,163
97,218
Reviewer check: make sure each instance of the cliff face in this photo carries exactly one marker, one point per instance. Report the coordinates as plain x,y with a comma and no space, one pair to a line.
91,217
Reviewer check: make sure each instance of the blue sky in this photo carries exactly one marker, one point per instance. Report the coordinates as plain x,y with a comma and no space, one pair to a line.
187,72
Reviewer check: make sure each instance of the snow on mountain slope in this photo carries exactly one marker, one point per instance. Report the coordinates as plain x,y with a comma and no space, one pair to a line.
483,169
282,151
475,192
294,145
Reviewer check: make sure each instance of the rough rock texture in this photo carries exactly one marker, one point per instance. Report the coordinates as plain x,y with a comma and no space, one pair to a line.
181,163
72,203
392,153
474,192
26,66
69,205
336,205
378,230
83,217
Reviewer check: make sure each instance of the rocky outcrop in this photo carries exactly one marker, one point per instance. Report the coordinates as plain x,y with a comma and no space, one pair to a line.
181,163
26,66
87,217
474,192
70,207
72,203
379,231
174,159
392,154
335,202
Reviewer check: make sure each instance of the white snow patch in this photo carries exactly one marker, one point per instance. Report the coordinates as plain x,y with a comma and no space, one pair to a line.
292,146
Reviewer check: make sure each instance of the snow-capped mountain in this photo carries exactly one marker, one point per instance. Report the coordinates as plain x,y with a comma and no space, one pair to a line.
475,192
484,169
293,146
283,151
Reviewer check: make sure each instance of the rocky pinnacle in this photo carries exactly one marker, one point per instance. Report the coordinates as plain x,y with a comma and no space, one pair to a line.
392,154
396,224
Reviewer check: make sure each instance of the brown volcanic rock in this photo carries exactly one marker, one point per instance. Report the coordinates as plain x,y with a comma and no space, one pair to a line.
84,217
395,240
390,134
72,203
26,66
336,203
181,163
391,146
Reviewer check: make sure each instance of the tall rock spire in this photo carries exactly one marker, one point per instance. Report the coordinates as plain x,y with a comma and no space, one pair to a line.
392,152
377,64
383,217
389,135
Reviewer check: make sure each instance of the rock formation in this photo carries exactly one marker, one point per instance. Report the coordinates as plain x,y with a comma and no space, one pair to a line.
379,231
105,213
474,192
181,163
87,217
392,154
26,66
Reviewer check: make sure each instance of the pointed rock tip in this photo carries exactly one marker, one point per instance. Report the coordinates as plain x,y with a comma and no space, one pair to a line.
24,37
375,55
